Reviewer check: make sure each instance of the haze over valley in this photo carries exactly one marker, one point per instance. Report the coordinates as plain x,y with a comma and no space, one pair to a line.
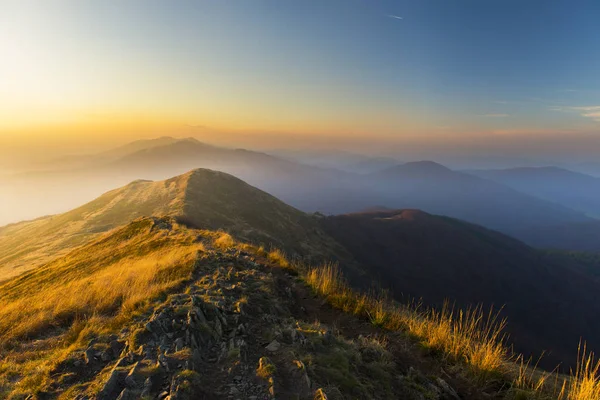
303,200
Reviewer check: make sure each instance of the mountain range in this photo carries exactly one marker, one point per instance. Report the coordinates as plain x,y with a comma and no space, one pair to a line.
414,254
533,214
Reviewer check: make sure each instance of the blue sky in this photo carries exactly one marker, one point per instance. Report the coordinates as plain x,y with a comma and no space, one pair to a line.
392,68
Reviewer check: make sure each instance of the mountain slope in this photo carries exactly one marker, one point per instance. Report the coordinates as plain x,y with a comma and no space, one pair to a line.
202,198
571,189
155,309
419,255
576,236
434,188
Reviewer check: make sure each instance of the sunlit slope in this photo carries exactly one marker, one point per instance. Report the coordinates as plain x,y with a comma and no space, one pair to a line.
201,198
116,271
26,245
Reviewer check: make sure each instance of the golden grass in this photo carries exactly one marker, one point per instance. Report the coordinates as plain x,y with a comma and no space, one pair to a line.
278,257
266,368
96,289
530,378
473,336
224,241
585,382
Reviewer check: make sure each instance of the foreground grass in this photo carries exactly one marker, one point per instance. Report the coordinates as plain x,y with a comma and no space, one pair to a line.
94,290
55,309
471,337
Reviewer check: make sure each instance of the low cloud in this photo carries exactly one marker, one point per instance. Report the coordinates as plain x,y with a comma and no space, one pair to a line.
592,112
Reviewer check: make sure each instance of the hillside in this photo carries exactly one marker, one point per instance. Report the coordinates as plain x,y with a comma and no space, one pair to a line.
158,310
571,189
189,296
576,236
202,198
418,255
155,307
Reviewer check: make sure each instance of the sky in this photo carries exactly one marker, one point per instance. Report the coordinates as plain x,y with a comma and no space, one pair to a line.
477,73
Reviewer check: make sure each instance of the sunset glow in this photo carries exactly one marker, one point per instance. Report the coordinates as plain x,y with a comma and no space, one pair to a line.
96,69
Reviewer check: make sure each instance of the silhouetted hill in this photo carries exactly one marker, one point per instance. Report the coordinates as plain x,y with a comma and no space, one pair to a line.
434,188
571,189
419,255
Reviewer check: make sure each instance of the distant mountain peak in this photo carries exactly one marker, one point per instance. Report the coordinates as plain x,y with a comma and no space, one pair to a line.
425,165
416,168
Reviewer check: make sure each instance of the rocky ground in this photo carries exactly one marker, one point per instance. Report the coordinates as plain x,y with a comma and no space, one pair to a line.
245,329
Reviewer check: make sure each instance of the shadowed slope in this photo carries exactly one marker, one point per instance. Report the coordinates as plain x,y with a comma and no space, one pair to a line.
436,258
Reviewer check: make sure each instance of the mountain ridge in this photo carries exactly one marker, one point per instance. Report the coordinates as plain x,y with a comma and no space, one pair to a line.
203,198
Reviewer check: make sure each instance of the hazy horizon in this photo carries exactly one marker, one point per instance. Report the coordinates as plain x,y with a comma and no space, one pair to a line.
428,80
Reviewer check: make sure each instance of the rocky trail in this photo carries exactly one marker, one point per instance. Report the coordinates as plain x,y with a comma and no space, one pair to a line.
245,329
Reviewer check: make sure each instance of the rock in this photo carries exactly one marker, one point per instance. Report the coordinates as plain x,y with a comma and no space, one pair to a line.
241,329
162,395
128,394
133,379
147,388
89,355
122,362
448,393
113,385
274,346
162,360
179,344
106,356
218,328
194,342
117,347
187,385
301,381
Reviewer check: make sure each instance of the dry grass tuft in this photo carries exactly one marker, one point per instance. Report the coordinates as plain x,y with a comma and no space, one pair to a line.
278,257
473,336
266,368
584,383
224,241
